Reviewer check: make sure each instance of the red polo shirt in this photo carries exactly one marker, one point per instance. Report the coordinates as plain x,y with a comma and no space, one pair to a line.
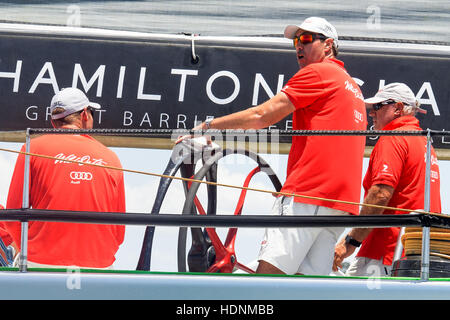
61,185
399,162
326,98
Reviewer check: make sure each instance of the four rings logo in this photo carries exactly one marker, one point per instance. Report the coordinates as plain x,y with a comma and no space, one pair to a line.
76,175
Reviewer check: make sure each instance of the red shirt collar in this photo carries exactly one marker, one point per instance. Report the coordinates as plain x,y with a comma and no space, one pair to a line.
338,62
399,122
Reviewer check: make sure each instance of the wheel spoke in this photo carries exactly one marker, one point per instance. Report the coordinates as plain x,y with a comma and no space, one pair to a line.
204,242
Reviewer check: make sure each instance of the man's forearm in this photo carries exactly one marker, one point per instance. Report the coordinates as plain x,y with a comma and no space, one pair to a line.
261,116
379,195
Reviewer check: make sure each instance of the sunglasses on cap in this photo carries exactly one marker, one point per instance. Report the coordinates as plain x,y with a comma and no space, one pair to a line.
307,38
378,106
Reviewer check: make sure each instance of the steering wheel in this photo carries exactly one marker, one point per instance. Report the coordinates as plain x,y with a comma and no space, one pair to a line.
207,252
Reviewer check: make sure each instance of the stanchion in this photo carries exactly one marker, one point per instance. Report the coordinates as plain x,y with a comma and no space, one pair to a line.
25,204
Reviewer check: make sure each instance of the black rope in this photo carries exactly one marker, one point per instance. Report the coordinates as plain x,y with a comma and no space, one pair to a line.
370,39
172,132
391,40
227,221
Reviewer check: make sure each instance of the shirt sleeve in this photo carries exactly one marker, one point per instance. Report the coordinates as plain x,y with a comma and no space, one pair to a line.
4,236
388,161
304,88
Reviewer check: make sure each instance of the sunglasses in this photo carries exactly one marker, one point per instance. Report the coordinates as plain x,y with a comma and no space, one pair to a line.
378,106
308,38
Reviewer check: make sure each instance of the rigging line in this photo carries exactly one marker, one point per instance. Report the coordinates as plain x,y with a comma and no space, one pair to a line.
239,132
222,184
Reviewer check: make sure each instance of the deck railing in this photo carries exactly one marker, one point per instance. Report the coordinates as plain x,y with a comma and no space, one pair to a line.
424,219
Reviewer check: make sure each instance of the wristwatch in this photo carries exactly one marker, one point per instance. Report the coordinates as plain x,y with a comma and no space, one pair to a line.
352,241
208,123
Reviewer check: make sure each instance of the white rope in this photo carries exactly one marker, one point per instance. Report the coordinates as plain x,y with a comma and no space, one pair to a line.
194,55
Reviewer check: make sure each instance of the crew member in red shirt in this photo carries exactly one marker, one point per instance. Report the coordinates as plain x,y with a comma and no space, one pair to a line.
321,96
395,178
56,184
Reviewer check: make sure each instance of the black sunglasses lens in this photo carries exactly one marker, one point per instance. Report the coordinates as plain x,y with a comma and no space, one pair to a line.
378,106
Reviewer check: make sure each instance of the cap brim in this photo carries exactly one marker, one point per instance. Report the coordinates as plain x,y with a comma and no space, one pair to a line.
374,100
290,31
94,105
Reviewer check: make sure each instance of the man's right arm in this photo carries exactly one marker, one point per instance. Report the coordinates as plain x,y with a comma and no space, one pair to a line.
258,117
379,195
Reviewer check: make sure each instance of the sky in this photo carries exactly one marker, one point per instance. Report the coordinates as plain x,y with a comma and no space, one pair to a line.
141,190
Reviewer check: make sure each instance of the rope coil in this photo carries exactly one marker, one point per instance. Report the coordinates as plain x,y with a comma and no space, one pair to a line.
439,242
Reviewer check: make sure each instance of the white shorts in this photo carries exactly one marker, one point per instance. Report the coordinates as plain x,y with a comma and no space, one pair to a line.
366,267
301,250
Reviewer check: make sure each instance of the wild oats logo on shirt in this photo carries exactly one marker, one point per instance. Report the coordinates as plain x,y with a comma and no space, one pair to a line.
349,86
62,158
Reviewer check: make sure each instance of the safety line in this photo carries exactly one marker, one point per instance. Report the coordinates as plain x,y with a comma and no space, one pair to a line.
239,132
222,184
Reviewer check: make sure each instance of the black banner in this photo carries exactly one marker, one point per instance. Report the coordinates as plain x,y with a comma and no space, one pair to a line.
170,82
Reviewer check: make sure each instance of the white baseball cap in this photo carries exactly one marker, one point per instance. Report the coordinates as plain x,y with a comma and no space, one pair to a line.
71,100
316,25
398,92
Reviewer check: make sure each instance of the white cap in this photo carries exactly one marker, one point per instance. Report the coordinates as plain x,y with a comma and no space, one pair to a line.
71,100
316,25
398,92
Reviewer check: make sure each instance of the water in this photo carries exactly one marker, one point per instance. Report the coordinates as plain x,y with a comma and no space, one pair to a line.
412,19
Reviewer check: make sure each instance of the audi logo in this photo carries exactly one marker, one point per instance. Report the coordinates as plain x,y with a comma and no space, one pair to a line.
75,175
